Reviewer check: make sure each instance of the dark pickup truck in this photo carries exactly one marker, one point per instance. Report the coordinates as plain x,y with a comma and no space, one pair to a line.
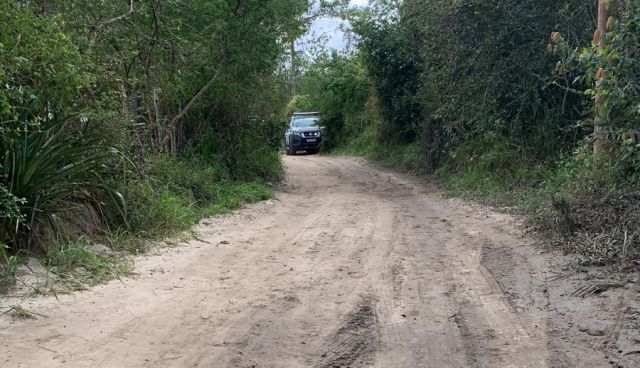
303,133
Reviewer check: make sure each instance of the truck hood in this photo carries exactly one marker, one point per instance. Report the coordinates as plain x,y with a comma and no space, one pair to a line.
306,129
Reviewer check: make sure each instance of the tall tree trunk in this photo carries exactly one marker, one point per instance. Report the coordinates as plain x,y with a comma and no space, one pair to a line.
43,9
158,120
598,123
293,68
138,125
171,126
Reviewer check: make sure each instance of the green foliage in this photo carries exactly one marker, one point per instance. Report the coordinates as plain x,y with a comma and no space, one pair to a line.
338,87
302,102
610,74
177,193
49,157
8,265
406,157
388,52
88,88
157,210
195,176
82,267
445,73
263,164
465,89
40,71
10,214
577,208
47,170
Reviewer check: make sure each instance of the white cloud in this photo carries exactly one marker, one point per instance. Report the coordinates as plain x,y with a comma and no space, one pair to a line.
360,2
330,28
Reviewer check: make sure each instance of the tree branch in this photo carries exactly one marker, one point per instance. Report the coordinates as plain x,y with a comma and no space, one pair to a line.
176,119
100,25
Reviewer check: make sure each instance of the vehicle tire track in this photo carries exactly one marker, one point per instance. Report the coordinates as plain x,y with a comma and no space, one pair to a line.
355,342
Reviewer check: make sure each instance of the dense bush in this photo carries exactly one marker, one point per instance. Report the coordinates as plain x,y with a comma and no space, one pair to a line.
389,54
479,93
142,116
339,88
610,74
176,193
441,74
49,157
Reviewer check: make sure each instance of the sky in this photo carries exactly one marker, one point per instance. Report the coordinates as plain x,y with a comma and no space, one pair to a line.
330,28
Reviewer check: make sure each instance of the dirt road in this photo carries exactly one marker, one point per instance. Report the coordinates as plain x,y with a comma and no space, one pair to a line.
352,266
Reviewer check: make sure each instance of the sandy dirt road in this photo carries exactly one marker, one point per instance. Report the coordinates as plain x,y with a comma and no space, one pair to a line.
352,266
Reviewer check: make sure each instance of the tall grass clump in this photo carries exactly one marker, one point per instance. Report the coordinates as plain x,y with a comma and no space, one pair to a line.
176,193
8,265
48,168
576,205
80,265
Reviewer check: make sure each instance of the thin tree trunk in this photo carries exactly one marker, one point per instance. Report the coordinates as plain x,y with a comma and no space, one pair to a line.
598,122
156,108
172,124
43,9
138,126
173,148
293,67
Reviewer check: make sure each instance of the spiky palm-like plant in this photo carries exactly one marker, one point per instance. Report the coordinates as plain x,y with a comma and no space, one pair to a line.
47,169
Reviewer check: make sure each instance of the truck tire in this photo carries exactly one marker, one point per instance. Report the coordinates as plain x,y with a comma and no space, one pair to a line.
290,149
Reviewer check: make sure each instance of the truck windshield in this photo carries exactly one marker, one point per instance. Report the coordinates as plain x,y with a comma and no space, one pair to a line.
304,122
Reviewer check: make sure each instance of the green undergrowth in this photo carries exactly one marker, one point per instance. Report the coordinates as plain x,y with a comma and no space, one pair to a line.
570,203
176,194
583,209
68,266
405,157
76,265
8,265
164,203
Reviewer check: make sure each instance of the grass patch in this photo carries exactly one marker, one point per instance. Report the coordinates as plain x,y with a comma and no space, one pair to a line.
78,265
178,193
592,213
587,211
233,196
8,265
405,157
21,312
168,199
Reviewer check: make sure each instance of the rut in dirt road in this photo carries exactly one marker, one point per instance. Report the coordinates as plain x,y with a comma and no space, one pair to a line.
352,266
355,343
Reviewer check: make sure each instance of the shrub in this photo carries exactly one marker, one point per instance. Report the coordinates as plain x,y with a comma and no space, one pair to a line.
81,266
177,193
49,158
195,176
45,169
8,265
155,209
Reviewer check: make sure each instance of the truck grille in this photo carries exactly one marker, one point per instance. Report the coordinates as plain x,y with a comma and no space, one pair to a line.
310,134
